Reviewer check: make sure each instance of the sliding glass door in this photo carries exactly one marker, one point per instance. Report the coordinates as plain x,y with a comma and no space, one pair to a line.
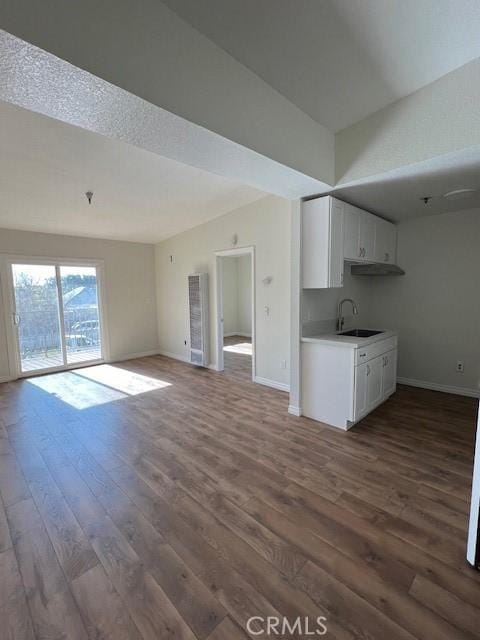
81,317
56,316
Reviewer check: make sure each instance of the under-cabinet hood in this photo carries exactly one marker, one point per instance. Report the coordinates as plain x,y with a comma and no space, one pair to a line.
376,269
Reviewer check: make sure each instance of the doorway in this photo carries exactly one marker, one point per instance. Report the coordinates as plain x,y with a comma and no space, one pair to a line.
56,316
236,312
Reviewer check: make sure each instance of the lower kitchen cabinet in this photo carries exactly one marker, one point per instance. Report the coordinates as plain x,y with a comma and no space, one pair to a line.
375,381
341,384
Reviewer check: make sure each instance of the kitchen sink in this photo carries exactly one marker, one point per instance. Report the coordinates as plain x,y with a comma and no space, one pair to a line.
360,333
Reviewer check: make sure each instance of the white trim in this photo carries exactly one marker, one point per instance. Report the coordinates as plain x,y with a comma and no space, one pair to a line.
294,411
6,379
237,333
225,253
132,356
174,356
445,388
281,386
13,352
473,542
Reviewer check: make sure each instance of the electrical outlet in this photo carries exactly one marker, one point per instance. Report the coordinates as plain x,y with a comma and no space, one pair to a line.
459,366
283,364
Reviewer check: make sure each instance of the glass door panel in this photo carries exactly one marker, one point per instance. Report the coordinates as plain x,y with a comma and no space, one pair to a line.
81,316
37,317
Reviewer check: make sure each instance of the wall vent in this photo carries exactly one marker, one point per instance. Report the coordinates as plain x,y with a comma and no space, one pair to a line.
198,311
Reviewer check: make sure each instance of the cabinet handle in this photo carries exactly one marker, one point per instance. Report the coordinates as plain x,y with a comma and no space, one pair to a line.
386,257
368,369
386,360
362,355
360,252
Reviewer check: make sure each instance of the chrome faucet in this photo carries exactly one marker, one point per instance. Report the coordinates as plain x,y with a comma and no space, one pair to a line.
340,318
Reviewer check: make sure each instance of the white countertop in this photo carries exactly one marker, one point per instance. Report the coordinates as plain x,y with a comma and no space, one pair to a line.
351,342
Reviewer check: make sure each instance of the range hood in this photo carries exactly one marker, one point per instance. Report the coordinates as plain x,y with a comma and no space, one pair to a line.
376,269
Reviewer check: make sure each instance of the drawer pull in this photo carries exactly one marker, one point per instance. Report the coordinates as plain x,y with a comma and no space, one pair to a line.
362,355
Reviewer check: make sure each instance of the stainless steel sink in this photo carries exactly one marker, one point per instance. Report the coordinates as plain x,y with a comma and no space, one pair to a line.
360,333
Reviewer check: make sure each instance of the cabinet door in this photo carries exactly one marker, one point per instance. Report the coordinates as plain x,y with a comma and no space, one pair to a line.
389,373
351,232
335,275
322,243
367,236
385,241
361,378
374,382
391,243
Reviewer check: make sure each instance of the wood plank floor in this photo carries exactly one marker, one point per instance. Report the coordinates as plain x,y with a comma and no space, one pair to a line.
151,500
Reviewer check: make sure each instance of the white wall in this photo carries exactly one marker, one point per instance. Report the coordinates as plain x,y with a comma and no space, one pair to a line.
129,286
230,295
320,306
237,295
440,118
244,295
436,305
264,224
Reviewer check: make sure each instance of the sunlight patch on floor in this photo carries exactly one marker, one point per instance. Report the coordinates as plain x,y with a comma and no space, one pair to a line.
92,386
122,380
245,348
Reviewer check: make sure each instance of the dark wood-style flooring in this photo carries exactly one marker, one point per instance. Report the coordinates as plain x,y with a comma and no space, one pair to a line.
238,363
152,500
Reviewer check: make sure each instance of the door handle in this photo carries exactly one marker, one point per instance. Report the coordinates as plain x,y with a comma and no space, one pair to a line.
16,319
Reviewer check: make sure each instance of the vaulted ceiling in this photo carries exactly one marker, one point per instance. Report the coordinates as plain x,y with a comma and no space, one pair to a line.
341,60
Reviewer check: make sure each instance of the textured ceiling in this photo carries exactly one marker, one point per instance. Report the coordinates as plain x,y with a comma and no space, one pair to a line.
46,167
398,195
41,82
341,60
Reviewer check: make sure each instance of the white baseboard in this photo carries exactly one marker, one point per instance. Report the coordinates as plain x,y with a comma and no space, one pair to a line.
132,356
6,379
237,333
295,411
445,388
281,386
174,356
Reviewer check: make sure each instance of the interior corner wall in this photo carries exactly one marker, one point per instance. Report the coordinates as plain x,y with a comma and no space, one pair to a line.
440,118
129,286
244,295
237,295
436,305
230,296
265,224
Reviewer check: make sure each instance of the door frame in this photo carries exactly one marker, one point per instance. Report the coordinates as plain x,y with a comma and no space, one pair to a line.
219,255
8,293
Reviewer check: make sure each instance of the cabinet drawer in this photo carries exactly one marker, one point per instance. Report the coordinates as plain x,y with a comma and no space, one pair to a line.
364,354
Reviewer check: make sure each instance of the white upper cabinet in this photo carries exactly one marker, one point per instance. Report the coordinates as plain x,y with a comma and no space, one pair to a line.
351,232
367,236
334,231
359,235
385,241
322,243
